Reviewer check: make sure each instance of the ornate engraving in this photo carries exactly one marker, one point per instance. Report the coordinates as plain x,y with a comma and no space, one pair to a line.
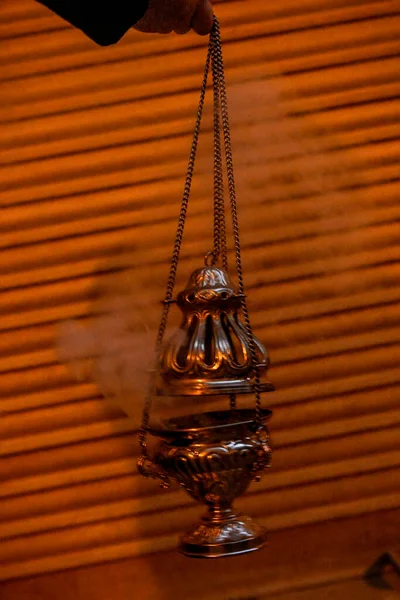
196,468
215,468
209,534
211,348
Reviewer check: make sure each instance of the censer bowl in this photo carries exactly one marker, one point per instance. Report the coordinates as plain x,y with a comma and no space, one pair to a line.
215,456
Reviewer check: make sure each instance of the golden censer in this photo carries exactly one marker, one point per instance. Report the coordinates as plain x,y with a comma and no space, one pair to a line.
213,455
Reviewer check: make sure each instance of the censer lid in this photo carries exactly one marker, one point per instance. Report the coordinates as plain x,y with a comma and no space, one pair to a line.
208,284
209,277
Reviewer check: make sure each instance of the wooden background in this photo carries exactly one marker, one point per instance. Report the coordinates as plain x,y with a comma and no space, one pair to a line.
94,143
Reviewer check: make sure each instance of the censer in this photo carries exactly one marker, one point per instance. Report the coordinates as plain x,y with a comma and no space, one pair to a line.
213,455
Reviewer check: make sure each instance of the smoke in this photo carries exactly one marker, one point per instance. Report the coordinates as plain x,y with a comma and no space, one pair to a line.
277,158
279,155
115,345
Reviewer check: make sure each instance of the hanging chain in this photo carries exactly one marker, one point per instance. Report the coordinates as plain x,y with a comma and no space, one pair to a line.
175,256
220,244
221,117
217,56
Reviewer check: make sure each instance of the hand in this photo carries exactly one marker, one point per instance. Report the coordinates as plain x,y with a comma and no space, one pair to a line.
164,16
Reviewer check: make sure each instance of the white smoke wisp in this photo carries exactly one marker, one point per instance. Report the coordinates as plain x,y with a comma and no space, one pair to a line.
276,158
293,171
116,346
277,154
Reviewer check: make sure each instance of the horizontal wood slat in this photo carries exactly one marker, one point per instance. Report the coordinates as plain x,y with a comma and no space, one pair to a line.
336,333
115,550
298,330
283,506
361,158
341,46
377,203
288,17
31,512
351,126
35,223
289,368
39,101
321,291
94,146
118,506
354,542
70,473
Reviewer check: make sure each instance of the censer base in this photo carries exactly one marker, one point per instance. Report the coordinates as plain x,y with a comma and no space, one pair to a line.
223,535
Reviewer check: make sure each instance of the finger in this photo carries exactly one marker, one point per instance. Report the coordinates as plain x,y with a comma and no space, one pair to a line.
182,29
203,18
183,13
150,24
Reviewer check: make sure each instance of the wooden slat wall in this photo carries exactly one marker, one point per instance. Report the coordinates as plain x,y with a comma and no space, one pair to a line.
296,562
94,145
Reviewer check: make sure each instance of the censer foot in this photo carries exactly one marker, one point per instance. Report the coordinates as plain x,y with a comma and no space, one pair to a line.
223,533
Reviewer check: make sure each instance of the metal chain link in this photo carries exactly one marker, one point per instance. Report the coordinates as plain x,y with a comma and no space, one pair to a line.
214,56
175,255
220,243
217,56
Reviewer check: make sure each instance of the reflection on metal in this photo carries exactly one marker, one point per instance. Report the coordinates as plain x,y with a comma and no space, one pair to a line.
210,353
214,456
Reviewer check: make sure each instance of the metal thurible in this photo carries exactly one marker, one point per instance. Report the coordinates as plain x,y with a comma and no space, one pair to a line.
214,456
